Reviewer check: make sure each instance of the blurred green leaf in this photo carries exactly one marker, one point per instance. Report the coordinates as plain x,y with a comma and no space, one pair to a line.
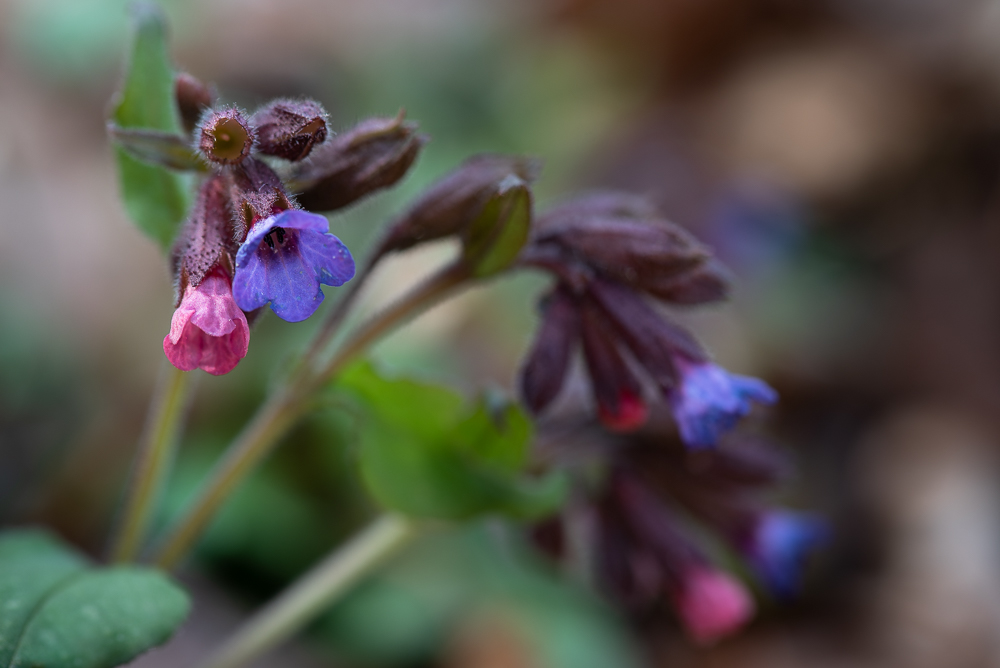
155,198
424,454
501,230
57,611
406,613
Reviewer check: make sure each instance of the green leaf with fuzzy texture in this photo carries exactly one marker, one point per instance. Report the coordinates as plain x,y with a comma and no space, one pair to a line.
425,453
156,199
56,611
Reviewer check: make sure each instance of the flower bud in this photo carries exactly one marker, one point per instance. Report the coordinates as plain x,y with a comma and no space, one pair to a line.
712,604
257,193
206,240
708,282
545,368
373,155
289,129
457,200
620,404
193,98
622,236
225,136
604,204
652,339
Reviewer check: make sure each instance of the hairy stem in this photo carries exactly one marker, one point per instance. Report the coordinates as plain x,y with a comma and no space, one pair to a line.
283,409
155,457
315,591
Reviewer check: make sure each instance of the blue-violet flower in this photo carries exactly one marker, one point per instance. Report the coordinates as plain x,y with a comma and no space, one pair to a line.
709,400
778,548
284,260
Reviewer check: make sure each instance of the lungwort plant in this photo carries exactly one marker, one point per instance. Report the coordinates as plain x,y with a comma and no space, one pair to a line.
238,201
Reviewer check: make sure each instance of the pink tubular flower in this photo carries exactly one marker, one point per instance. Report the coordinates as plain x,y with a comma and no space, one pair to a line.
208,330
712,604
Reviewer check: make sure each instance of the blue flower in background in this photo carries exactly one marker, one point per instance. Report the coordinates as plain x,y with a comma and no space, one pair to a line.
284,260
709,401
778,548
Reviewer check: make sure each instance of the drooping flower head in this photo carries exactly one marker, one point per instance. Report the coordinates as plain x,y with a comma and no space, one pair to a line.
610,254
208,330
284,259
709,400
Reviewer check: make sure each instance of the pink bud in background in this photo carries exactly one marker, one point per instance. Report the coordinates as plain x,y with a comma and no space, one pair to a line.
208,330
712,604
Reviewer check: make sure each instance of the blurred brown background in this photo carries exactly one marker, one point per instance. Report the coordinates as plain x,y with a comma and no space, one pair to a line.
842,156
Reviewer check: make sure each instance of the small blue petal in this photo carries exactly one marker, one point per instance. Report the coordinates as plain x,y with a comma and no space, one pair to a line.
781,543
710,401
288,272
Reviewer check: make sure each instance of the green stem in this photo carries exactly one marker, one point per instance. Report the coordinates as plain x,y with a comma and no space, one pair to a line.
315,591
284,408
155,456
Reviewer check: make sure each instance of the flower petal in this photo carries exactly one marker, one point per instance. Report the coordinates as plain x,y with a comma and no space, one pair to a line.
710,401
328,256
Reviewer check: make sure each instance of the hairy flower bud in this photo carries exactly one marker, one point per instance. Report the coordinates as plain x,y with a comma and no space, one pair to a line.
620,404
289,129
457,200
545,368
653,340
708,282
206,240
374,154
257,193
624,237
225,137
193,98
712,604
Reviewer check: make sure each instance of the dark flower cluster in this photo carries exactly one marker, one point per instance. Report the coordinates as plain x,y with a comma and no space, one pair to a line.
640,526
609,252
614,258
248,241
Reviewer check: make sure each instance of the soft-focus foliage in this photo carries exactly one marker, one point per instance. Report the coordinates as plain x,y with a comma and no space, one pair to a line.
59,612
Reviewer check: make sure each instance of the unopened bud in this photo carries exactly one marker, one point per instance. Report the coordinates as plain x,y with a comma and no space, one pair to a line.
653,340
712,604
289,129
193,98
456,201
374,154
601,203
545,368
708,282
623,237
257,192
620,404
206,240
225,136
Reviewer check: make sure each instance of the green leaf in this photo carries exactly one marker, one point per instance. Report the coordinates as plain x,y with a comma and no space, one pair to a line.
425,453
155,198
155,147
56,611
496,237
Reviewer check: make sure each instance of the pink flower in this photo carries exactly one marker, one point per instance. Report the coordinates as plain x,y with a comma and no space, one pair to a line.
208,330
712,604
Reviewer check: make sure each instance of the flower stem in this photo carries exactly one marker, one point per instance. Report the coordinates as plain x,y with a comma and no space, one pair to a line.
273,420
154,459
315,591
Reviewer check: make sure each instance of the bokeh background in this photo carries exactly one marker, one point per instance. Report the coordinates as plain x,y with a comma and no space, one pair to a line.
841,156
